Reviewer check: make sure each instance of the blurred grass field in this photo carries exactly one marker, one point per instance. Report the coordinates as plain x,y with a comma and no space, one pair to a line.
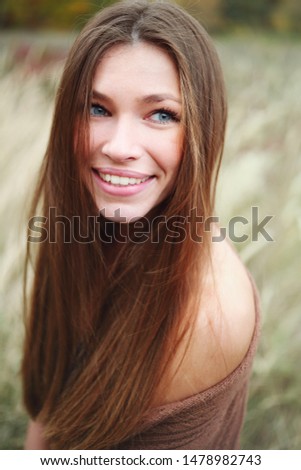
262,168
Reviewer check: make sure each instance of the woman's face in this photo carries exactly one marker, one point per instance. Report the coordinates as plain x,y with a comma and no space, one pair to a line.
136,135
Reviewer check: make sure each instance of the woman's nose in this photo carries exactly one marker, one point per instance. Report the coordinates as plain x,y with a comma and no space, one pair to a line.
121,142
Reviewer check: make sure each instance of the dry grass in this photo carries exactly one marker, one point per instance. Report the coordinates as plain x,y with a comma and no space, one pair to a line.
262,168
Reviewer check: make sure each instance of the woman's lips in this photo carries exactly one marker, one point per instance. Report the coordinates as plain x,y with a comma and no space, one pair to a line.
117,172
121,183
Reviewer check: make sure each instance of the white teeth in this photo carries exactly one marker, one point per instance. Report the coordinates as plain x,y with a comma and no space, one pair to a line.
115,179
121,180
124,181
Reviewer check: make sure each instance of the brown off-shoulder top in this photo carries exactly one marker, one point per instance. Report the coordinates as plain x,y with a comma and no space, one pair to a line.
211,419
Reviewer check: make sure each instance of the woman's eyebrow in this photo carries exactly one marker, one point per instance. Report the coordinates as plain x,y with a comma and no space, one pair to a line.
157,98
153,98
100,96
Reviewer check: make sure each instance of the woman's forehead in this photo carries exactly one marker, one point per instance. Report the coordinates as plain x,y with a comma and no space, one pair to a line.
142,65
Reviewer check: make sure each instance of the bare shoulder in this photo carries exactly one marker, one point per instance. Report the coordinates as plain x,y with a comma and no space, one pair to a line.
223,329
34,438
231,296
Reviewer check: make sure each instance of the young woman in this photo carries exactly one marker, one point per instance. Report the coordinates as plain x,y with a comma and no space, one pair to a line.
142,322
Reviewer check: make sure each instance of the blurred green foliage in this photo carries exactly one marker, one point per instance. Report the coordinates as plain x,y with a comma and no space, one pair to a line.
217,15
255,13
54,14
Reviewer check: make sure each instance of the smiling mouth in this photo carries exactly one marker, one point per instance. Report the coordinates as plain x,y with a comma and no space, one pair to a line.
115,180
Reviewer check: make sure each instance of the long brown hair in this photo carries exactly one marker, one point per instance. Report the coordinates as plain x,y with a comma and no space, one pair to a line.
101,330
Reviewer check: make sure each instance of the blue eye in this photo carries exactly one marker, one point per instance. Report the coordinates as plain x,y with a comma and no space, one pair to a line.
163,116
97,110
